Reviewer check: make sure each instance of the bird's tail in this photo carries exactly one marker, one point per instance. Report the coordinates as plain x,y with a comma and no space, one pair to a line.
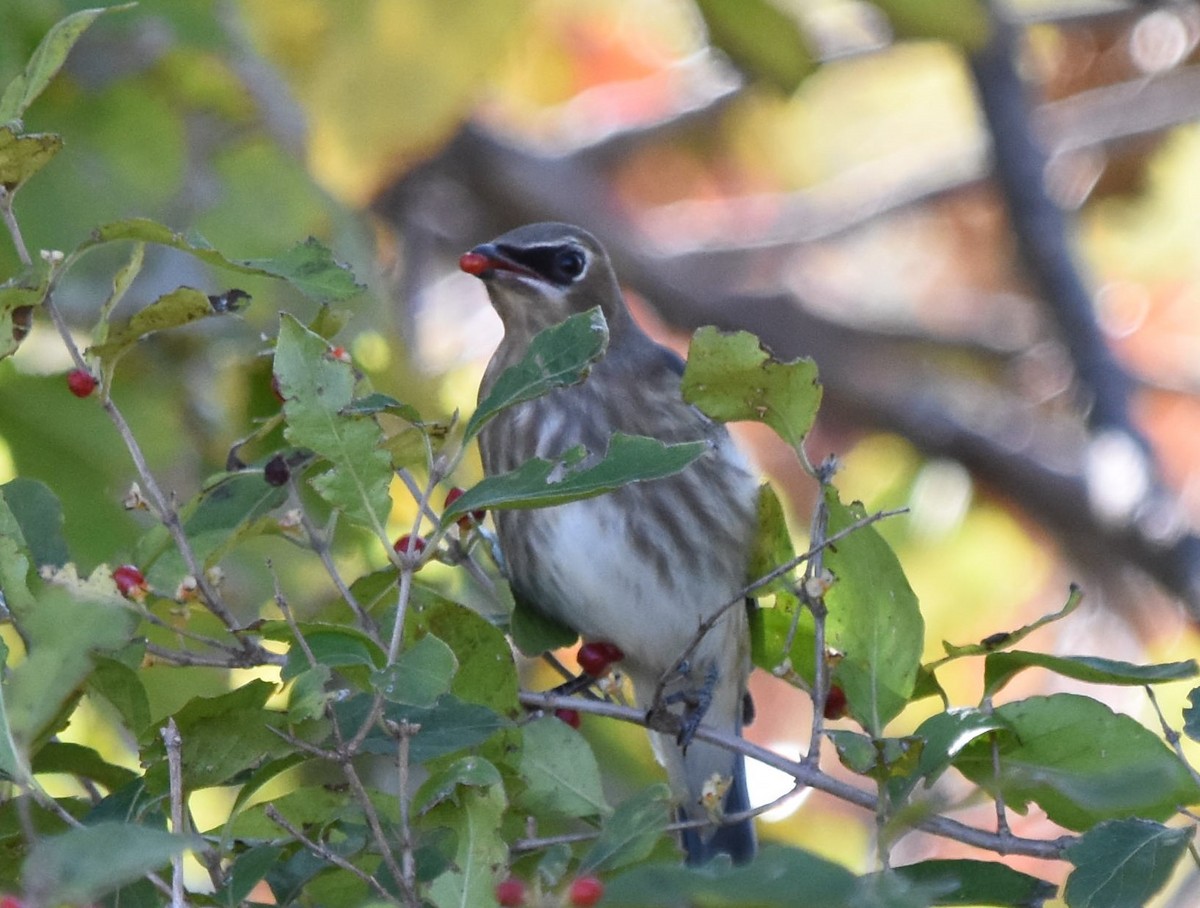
734,839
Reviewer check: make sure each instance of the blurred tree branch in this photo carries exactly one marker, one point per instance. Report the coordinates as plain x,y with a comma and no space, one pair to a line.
1036,459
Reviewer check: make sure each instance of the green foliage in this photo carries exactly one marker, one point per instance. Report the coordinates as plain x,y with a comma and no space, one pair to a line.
731,377
559,356
354,701
760,38
1123,862
874,621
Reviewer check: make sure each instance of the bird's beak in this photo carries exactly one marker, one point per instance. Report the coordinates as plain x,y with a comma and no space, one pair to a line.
484,261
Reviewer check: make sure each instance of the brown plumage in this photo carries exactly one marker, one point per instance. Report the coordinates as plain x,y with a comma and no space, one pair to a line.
643,566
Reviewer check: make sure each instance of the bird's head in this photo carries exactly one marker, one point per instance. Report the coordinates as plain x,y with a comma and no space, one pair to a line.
540,274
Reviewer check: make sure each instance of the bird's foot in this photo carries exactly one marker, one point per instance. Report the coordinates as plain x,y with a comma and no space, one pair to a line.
696,702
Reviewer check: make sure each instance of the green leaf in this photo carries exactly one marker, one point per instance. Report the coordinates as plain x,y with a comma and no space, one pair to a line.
966,882
772,622
181,306
631,832
317,388
420,674
761,39
539,483
772,548
964,24
21,156
382,403
879,758
444,784
560,771
311,268
874,620
47,60
1123,863
63,632
309,694
1074,757
481,849
1191,715
1000,668
39,514
226,735
228,509
12,762
486,672
122,687
249,867
731,377
997,642
18,296
334,645
447,727
308,266
84,762
945,735
535,633
558,356
81,865
778,878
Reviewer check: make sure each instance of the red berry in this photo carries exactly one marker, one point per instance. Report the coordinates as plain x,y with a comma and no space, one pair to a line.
409,544
81,382
585,891
511,892
467,520
835,703
475,263
276,390
340,354
131,582
595,656
570,716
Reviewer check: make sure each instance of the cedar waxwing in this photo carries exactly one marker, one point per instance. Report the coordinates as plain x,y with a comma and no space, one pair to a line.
640,567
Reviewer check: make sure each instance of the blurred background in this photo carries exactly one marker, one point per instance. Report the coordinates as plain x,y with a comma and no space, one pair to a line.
981,220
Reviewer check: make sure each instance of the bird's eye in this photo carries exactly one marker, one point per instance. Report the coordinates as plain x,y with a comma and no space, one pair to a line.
570,262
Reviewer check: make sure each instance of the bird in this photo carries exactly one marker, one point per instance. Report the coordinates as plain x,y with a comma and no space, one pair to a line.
640,567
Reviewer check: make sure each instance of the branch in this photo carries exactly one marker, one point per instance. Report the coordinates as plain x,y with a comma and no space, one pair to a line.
173,743
812,777
326,854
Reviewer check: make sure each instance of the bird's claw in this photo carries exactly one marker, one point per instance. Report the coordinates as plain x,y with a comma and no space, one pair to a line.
696,702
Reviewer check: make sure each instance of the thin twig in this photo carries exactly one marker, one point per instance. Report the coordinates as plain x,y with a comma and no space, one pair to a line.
319,542
813,777
740,596
813,577
14,229
234,660
174,744
326,854
372,816
1171,735
403,733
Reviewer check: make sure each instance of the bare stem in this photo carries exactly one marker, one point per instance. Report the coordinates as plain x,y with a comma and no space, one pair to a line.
319,541
162,506
327,855
14,229
815,601
403,732
174,744
739,597
1000,842
1171,735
